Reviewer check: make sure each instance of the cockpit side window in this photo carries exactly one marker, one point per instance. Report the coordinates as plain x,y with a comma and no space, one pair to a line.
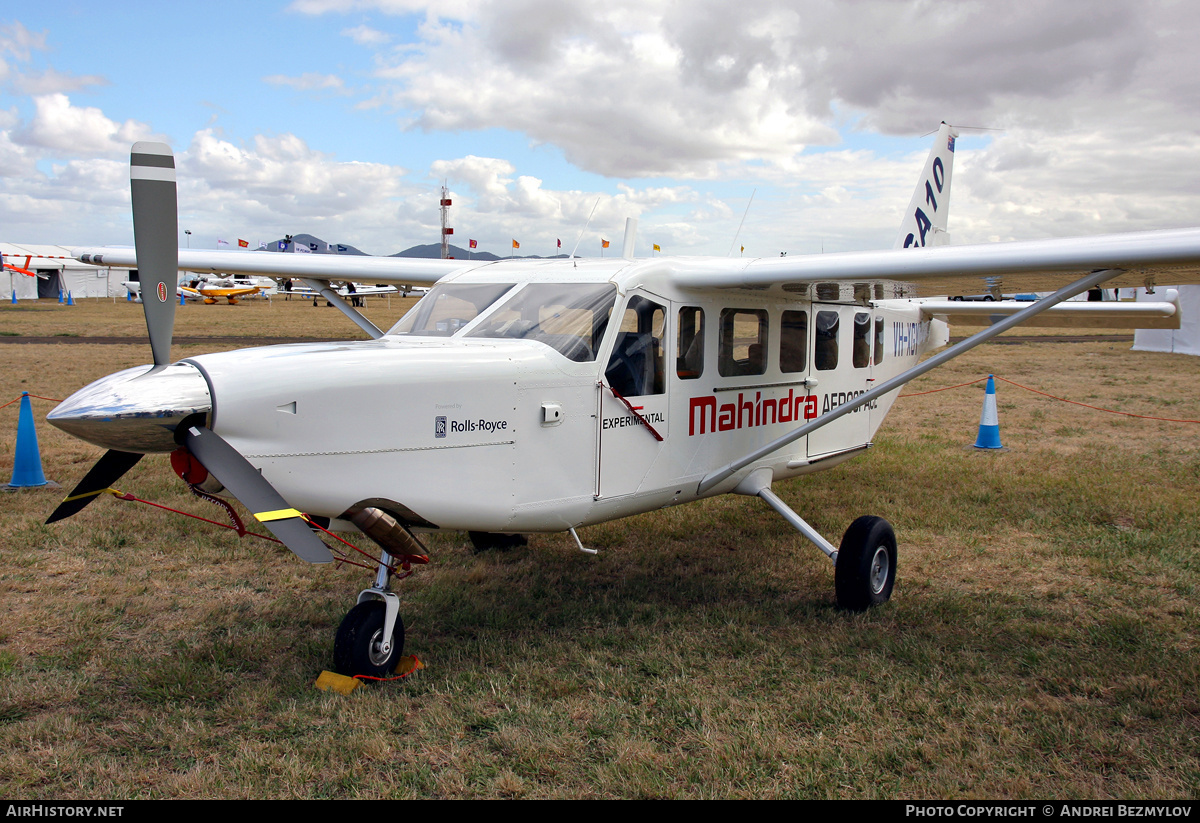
448,308
568,317
637,366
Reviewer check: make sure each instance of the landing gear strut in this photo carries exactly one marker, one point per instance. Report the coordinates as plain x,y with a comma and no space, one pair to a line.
370,640
865,563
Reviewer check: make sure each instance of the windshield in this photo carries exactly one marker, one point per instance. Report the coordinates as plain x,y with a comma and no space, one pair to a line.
449,307
568,317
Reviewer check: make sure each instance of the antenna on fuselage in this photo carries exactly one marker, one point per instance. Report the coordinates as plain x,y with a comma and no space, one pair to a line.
630,237
571,256
739,231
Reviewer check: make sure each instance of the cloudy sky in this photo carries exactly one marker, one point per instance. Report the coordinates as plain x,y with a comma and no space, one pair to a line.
343,117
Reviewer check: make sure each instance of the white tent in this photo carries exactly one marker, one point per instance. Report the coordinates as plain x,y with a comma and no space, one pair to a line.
1185,339
56,269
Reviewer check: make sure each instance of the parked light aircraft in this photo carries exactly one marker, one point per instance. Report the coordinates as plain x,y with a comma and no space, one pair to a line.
211,291
547,395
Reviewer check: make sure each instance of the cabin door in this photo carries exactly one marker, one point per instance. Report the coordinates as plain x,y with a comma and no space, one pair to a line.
632,402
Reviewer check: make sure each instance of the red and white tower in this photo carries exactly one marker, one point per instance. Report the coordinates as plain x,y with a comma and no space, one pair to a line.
446,230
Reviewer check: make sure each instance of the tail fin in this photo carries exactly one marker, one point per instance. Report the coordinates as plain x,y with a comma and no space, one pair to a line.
924,223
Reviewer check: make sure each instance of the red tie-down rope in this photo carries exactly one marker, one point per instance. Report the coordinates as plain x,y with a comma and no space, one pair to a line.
38,396
405,561
1053,397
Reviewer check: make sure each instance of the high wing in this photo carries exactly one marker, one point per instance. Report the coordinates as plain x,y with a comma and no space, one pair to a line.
324,267
1148,259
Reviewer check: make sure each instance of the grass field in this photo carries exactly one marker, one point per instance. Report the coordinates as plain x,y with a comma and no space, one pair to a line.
1041,642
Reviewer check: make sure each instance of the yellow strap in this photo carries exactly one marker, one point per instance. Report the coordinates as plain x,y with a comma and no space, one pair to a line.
278,514
89,494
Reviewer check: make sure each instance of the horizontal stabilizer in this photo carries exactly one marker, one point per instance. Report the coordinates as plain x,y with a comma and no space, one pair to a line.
1162,314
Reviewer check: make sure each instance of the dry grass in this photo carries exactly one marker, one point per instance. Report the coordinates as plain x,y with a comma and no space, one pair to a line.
254,317
1042,641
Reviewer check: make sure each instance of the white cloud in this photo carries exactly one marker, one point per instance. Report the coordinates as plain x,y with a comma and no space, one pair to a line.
19,41
367,36
309,81
61,127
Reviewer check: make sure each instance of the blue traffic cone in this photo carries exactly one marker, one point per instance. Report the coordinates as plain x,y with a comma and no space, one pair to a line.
27,462
989,420
14,297
60,296
70,302
128,296
181,298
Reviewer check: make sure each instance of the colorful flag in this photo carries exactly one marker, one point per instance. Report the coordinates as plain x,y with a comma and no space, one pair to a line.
283,245
516,245
262,244
300,248
341,248
560,244
656,248
603,243
243,244
222,243
743,248
312,246
473,244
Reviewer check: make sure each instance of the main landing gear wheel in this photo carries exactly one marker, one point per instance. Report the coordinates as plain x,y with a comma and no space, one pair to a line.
358,647
866,564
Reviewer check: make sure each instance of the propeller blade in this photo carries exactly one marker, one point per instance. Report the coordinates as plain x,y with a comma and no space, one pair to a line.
155,230
246,484
108,470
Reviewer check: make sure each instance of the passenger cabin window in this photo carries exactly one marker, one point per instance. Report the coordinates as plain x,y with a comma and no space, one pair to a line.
878,340
568,317
793,342
638,363
825,357
862,340
689,344
743,349
448,308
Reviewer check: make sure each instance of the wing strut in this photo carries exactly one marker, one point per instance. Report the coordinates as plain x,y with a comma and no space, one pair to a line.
326,291
1079,286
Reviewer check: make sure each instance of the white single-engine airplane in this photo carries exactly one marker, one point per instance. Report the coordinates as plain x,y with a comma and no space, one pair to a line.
545,395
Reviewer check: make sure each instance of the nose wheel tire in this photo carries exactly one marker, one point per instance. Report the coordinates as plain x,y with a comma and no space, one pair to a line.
866,564
358,647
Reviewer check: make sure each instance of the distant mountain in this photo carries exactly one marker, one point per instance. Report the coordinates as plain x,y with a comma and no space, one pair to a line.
434,251
427,251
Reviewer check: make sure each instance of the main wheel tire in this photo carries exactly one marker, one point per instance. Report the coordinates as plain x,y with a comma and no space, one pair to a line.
356,649
866,565
487,541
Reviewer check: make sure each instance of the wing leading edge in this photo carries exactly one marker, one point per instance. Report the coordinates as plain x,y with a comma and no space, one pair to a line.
326,267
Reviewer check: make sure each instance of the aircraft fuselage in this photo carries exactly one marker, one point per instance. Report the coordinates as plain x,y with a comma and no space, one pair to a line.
485,425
